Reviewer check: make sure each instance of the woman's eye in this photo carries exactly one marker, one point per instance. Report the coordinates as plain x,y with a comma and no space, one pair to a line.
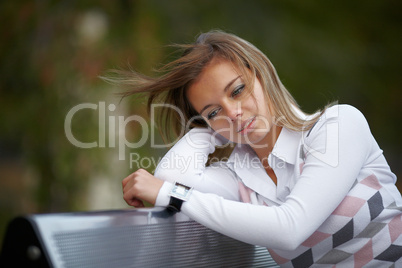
237,90
212,114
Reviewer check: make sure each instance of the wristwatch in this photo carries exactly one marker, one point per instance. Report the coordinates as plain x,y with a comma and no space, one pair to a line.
178,194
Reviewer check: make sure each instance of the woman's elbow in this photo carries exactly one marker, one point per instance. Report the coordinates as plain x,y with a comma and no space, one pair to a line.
290,241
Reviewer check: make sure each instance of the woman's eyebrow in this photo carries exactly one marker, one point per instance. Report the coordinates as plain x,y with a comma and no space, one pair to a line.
224,90
230,83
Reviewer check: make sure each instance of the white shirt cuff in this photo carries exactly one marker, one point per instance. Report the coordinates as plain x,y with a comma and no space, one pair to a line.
162,200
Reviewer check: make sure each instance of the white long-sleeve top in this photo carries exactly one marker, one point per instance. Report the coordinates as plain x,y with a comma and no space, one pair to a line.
335,201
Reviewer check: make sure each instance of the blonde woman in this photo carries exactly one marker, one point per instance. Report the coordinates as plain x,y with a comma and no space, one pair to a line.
313,189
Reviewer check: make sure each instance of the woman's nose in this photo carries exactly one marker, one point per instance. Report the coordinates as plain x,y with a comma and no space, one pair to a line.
233,111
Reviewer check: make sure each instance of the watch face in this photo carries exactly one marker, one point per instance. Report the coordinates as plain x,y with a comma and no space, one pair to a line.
181,191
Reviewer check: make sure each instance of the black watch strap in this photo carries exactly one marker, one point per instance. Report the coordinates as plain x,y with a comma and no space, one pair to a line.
175,204
178,194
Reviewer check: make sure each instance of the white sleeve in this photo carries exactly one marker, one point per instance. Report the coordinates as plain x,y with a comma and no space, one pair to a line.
323,184
185,162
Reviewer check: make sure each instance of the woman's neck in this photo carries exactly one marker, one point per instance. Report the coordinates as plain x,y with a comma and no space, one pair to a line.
266,145
264,148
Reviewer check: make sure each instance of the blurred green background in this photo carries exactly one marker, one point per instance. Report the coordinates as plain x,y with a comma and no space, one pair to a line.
52,53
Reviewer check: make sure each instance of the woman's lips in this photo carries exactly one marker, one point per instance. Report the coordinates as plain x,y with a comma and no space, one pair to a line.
249,124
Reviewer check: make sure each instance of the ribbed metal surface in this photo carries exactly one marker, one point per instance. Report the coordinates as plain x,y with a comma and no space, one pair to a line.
174,244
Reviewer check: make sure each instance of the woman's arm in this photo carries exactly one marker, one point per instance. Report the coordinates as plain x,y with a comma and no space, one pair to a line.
185,162
323,185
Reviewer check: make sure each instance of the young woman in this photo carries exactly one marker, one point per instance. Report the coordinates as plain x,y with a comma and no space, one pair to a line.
313,189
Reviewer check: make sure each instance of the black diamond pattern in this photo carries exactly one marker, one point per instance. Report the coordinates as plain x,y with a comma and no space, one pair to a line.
391,254
375,205
303,260
343,235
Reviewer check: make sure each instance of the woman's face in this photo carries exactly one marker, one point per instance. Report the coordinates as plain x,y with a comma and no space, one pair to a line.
219,96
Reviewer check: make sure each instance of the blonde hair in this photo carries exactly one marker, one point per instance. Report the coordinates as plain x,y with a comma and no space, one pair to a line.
171,87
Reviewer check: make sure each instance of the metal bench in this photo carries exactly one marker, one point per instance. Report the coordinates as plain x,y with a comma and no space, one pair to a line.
123,238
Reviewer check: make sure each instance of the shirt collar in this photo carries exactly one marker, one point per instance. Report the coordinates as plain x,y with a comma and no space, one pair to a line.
247,166
286,146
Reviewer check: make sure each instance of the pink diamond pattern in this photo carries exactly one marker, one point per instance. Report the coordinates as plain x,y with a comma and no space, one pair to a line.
395,227
364,255
301,167
349,206
245,193
278,259
372,181
315,238
340,229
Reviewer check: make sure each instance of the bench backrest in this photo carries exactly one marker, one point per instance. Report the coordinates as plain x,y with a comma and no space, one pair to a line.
123,238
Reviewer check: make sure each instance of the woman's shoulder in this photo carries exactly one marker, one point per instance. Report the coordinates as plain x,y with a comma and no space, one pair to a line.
340,128
342,117
342,113
343,110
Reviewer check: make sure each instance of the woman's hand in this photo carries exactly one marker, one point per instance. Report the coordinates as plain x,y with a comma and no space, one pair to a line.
141,186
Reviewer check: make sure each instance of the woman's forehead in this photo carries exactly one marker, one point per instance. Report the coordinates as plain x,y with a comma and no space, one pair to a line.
213,79
217,70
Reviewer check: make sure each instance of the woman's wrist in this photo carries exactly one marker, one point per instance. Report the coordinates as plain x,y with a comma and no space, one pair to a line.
162,200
